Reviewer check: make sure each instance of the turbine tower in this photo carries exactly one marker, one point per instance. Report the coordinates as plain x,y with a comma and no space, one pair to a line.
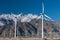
42,14
15,21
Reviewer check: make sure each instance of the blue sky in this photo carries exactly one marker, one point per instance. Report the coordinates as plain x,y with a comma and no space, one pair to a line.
52,7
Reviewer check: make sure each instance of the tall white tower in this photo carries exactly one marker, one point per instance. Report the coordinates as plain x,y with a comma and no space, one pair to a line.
42,20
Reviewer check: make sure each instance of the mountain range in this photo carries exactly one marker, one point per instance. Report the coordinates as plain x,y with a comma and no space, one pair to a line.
27,26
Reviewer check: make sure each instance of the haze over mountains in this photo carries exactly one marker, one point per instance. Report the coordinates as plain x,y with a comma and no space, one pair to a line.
27,26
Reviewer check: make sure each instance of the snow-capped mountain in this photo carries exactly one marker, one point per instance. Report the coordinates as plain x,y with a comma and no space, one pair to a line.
21,17
30,23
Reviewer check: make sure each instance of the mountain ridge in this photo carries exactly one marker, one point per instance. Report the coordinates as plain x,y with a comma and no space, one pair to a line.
27,28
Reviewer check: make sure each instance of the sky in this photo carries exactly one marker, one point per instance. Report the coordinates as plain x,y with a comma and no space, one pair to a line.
51,7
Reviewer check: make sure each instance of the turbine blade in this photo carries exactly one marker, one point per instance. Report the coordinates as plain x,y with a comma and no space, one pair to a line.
39,17
42,7
47,16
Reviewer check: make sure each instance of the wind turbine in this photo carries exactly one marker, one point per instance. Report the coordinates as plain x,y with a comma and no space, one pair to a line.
42,16
15,21
15,18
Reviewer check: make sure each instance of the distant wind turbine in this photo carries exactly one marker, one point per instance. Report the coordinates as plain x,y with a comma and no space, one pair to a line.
15,17
15,21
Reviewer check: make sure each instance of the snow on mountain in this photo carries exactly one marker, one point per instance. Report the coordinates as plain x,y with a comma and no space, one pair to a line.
28,18
1,23
21,17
